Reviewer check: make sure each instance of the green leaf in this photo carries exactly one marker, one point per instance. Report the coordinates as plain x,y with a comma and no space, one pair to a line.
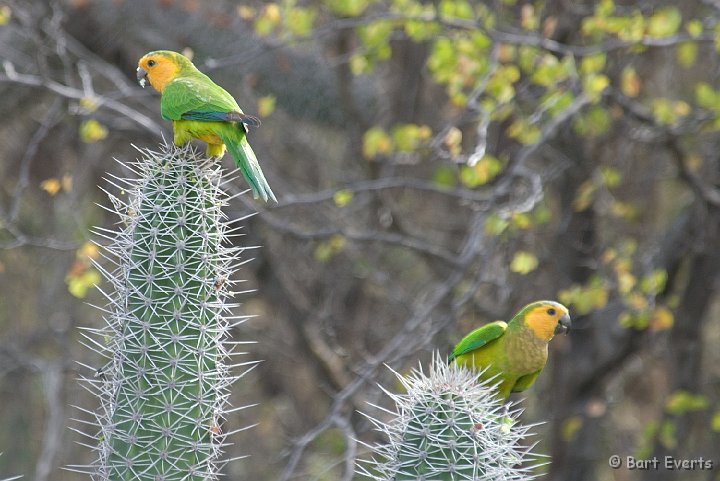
681,402
79,284
500,84
375,142
524,262
715,422
595,84
611,176
593,63
694,28
347,8
456,9
343,197
375,37
360,64
420,31
408,137
664,22
668,111
326,250
687,53
524,132
268,19
300,20
668,434
496,225
586,298
594,122
570,427
5,14
92,131
445,176
653,283
584,196
481,173
548,71
707,97
266,105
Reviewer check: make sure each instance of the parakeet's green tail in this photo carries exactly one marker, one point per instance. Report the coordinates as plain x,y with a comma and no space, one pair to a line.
246,161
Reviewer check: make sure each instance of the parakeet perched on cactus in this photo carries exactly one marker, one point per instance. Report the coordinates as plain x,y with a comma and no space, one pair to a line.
513,353
201,109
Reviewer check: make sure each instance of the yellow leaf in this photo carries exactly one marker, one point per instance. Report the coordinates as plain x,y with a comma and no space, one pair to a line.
51,186
266,105
5,14
78,285
715,423
584,196
695,28
89,104
376,141
664,22
92,131
343,197
272,13
626,281
90,250
662,319
327,249
528,18
66,182
453,141
570,427
245,12
523,262
595,84
681,402
630,82
687,53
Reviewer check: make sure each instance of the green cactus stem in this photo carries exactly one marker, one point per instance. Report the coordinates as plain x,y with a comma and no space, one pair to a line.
449,427
165,386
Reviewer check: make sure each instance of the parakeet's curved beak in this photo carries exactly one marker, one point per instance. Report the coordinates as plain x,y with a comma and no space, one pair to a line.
563,325
141,76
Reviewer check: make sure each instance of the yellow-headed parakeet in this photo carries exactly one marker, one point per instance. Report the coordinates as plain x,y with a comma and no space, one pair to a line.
201,109
516,351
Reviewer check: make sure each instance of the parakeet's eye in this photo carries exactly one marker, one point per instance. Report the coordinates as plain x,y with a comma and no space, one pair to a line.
151,63
551,311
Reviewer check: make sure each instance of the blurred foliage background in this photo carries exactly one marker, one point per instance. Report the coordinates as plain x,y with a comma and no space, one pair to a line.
438,165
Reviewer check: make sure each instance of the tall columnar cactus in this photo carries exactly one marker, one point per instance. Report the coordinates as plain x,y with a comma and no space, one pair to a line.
449,427
164,387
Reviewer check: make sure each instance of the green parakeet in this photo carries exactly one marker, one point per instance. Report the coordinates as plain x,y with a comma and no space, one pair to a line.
515,352
201,109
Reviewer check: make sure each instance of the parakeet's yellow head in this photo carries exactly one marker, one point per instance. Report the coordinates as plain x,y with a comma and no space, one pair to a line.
160,67
545,318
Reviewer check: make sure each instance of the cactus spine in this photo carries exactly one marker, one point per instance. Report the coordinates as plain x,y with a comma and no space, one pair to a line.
164,388
449,427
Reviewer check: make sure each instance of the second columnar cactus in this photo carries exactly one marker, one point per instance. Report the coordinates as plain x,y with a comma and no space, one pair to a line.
449,427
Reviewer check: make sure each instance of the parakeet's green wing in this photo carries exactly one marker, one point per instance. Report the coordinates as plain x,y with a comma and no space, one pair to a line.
478,338
525,381
196,97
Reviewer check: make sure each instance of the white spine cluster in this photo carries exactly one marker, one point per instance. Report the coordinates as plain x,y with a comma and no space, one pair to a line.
449,427
165,384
